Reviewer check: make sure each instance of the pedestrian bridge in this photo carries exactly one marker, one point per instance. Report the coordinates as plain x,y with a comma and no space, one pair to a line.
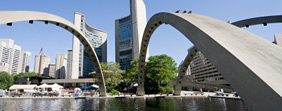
251,64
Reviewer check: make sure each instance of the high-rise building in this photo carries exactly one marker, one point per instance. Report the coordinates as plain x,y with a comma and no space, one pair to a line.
68,74
203,70
10,57
129,32
16,66
81,62
6,47
41,64
51,70
25,61
61,66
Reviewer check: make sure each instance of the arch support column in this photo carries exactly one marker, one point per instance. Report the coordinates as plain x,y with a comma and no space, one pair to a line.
182,72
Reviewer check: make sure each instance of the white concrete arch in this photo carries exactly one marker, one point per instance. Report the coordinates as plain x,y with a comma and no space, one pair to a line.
16,16
241,23
251,64
258,20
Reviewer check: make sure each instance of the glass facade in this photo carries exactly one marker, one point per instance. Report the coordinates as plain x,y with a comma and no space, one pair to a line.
82,64
125,42
96,42
85,63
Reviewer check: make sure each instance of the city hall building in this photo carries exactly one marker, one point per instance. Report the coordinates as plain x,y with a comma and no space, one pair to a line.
129,32
81,64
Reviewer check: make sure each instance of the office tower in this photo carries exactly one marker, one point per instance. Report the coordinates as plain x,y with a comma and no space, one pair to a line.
81,62
68,74
61,65
25,61
10,56
6,47
129,32
41,64
203,70
51,70
16,60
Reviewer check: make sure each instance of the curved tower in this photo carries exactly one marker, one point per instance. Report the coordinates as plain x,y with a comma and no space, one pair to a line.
81,64
128,33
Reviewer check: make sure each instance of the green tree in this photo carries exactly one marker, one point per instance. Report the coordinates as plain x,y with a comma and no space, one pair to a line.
205,79
131,73
23,74
28,74
112,74
6,80
160,70
215,88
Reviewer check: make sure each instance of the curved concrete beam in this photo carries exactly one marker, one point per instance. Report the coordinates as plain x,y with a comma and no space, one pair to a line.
242,23
16,16
251,64
258,20
184,67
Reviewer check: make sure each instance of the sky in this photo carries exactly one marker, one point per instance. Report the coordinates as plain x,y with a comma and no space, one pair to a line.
101,14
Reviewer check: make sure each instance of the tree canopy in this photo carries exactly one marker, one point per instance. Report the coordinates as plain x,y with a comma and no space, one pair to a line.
161,68
27,74
159,71
24,74
6,80
112,74
131,73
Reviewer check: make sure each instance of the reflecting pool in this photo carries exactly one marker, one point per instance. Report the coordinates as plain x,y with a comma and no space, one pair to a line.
123,104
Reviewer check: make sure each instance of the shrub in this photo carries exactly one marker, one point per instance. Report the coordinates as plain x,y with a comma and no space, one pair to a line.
166,89
114,92
215,88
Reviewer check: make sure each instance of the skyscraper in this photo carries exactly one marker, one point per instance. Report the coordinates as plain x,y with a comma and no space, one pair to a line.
129,32
202,69
81,62
10,57
68,74
25,61
16,60
51,70
41,64
6,48
61,66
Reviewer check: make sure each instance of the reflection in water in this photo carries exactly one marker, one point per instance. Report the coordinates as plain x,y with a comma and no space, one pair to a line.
129,104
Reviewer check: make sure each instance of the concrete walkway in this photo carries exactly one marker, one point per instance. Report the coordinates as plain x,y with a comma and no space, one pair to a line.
183,94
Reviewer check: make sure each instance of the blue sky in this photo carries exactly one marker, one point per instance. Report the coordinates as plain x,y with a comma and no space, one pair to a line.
101,14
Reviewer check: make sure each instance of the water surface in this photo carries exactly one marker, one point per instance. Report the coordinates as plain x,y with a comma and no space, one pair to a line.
123,104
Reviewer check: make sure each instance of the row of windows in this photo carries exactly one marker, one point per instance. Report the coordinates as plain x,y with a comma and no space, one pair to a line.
125,58
125,61
125,19
124,66
125,45
6,55
124,31
125,42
